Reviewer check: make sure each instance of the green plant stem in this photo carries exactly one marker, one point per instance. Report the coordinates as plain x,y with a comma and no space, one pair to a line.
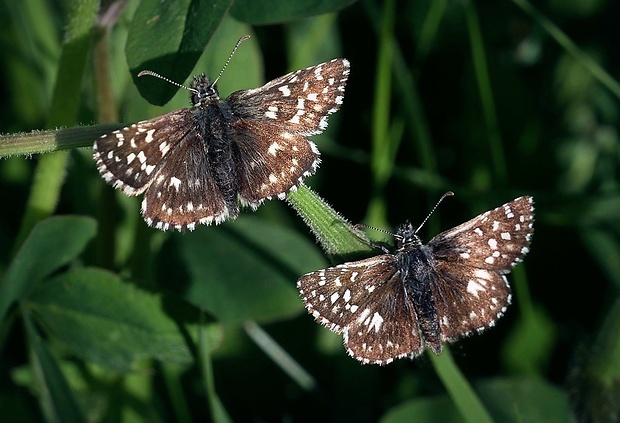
172,376
107,112
40,142
334,233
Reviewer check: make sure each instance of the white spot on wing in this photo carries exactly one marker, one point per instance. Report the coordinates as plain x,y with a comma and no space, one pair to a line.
149,135
175,182
286,92
473,287
376,322
273,148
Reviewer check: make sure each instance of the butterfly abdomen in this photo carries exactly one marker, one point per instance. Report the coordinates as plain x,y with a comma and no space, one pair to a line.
210,122
418,279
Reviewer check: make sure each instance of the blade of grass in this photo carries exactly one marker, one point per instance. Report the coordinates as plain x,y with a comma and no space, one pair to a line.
218,412
486,94
459,389
414,109
384,146
430,27
279,356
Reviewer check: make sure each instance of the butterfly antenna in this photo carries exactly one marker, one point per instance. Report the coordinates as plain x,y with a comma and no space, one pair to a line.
242,39
360,225
447,194
156,75
163,78
372,244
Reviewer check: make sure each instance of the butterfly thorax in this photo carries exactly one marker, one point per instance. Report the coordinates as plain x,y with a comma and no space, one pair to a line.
203,92
417,268
211,123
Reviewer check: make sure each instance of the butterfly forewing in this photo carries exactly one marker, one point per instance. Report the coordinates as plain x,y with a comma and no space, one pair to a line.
366,302
495,240
130,158
298,102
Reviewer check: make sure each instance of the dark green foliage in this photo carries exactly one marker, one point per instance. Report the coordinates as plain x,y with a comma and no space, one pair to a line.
104,319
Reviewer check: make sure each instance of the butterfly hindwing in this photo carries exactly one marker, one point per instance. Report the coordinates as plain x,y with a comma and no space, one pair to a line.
366,302
271,172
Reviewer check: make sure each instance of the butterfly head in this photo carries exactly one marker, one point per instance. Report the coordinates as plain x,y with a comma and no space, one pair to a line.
407,237
203,91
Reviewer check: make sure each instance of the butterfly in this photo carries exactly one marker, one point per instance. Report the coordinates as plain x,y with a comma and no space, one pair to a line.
395,305
197,165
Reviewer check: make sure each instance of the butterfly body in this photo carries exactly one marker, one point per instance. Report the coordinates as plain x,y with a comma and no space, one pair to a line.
395,305
416,266
197,165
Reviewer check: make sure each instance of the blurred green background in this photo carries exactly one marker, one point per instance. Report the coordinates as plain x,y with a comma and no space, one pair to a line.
105,319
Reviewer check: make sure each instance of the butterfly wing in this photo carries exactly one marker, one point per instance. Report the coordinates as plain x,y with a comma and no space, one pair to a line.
165,158
366,302
272,123
471,261
187,193
271,171
128,158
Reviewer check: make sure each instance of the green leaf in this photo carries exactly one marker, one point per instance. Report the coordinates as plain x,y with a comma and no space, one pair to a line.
108,321
241,271
527,349
424,410
524,400
56,396
52,243
508,400
168,37
277,11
